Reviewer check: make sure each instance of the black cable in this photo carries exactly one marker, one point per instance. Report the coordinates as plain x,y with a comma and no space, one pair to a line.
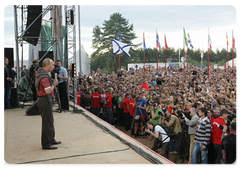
72,156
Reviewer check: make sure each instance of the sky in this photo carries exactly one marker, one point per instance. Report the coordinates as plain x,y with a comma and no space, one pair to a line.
166,19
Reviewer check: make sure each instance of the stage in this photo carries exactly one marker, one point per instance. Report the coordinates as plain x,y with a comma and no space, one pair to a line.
83,141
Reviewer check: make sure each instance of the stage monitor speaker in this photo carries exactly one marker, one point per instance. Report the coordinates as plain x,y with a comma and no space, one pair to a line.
34,13
14,98
33,110
8,52
42,53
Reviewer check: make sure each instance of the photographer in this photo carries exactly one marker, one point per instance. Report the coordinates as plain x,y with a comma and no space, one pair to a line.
173,122
140,113
154,112
161,138
62,86
192,126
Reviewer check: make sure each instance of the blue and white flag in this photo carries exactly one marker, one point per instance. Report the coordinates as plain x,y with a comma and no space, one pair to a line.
119,47
189,41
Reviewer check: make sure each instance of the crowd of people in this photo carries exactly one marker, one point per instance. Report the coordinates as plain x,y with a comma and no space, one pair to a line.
185,113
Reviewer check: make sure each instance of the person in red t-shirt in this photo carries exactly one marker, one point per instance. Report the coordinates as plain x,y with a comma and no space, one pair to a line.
126,111
170,106
219,127
108,106
96,99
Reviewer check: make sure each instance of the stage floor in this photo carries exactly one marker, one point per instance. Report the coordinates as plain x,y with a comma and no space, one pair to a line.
82,141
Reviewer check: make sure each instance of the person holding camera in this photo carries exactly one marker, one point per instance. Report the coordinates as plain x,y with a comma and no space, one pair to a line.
173,122
154,112
219,127
192,126
62,86
162,139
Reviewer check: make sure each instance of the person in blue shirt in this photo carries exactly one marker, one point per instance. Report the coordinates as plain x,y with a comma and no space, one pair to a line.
139,117
62,86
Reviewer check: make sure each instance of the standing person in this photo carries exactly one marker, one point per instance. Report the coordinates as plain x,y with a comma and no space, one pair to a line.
141,104
132,111
202,138
86,101
229,145
7,83
96,99
108,106
32,74
219,127
192,126
45,89
62,86
126,111
173,122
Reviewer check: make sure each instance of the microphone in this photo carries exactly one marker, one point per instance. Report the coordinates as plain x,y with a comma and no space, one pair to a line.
55,76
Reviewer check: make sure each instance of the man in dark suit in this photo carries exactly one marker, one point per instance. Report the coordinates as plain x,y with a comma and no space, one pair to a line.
7,78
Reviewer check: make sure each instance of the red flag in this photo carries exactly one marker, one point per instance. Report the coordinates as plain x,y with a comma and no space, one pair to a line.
145,86
166,46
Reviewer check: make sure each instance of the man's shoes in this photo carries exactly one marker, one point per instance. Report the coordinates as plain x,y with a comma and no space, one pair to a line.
10,107
180,161
50,147
56,142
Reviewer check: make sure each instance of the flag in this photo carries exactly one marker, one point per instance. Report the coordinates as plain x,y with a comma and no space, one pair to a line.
144,45
145,86
119,47
189,41
209,41
120,37
233,41
202,54
157,41
185,37
227,38
166,46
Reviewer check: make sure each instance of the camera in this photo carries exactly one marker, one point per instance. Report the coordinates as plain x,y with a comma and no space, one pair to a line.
162,113
145,133
229,120
186,113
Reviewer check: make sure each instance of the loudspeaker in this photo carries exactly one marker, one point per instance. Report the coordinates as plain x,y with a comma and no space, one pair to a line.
33,110
34,12
42,53
14,98
8,52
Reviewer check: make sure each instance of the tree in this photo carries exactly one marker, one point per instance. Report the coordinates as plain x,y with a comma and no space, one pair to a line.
102,37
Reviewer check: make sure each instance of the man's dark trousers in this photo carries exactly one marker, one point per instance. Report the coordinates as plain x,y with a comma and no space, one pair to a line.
48,131
62,88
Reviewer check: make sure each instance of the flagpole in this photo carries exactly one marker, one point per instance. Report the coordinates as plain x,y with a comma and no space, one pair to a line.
227,57
119,61
233,60
187,58
165,60
208,63
184,57
157,58
143,52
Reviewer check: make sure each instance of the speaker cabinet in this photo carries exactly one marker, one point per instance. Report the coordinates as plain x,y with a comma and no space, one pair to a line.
49,54
34,20
8,52
33,110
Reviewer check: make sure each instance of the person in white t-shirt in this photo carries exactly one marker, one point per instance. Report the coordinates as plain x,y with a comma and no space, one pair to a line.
162,140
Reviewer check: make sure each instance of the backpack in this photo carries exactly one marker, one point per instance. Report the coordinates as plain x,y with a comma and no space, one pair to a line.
168,130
